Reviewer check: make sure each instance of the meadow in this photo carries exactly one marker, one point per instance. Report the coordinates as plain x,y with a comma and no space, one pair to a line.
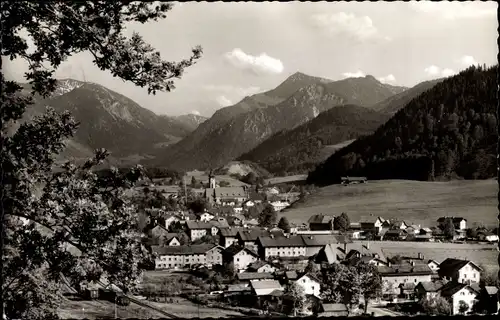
415,202
287,179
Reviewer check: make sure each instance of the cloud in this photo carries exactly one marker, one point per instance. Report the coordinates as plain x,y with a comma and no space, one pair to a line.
358,74
456,10
437,71
195,112
468,61
432,70
388,78
259,65
447,72
223,101
361,28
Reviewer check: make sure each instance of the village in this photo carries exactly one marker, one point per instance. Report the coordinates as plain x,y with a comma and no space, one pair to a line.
280,268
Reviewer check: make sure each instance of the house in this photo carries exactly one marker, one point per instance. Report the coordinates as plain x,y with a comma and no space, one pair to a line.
249,203
205,217
333,310
396,224
320,222
197,230
272,190
265,287
228,236
314,243
461,271
260,266
271,247
456,292
235,220
218,224
487,236
241,257
248,237
279,205
238,289
369,227
459,222
186,256
256,197
398,274
226,195
395,235
488,299
380,223
353,180
238,210
434,265
332,253
310,284
171,219
355,226
429,289
246,277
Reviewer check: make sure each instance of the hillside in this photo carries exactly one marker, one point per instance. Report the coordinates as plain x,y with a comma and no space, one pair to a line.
235,130
241,168
448,131
398,101
300,149
109,120
191,121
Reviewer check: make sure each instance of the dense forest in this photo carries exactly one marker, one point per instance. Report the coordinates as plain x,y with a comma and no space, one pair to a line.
447,132
298,150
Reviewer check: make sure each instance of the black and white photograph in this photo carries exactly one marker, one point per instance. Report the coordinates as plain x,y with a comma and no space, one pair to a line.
170,160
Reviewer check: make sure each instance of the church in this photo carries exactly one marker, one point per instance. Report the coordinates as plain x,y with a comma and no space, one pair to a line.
224,196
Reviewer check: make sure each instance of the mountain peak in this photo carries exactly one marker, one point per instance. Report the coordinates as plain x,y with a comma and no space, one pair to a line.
370,77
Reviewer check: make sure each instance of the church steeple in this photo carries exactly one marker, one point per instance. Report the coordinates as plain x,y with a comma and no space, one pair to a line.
211,179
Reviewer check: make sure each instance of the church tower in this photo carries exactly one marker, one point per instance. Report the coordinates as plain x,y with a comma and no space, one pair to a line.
211,180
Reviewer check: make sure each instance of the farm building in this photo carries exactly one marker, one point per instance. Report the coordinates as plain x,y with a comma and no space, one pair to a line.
353,180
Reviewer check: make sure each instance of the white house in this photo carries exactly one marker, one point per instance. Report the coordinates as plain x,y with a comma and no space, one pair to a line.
279,205
171,219
434,265
241,257
491,238
461,271
455,293
206,216
310,284
260,266
238,210
249,203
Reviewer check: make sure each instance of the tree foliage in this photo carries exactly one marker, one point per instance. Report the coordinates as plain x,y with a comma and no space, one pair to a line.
301,149
80,225
298,297
342,222
340,284
284,225
268,216
448,228
448,131
435,306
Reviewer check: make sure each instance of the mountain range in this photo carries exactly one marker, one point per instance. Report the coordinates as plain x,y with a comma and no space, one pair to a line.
235,130
110,120
447,132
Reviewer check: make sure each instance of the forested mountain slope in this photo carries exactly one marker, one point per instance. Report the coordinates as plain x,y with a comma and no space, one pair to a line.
448,131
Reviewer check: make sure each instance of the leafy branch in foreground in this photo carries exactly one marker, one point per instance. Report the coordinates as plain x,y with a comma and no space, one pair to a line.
68,223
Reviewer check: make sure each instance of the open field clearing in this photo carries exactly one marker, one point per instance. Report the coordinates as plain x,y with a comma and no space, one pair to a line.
483,254
201,176
288,179
186,309
415,202
99,309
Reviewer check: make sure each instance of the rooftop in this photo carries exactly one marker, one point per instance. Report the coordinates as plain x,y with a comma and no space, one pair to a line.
254,275
183,250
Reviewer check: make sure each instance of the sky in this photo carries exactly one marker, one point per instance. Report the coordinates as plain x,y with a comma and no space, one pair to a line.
252,47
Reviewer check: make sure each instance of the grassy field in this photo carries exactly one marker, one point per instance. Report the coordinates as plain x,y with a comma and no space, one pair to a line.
288,179
99,309
413,201
483,254
186,309
201,176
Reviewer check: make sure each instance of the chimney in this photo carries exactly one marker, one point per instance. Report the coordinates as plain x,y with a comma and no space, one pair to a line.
420,256
389,264
272,236
412,263
368,246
